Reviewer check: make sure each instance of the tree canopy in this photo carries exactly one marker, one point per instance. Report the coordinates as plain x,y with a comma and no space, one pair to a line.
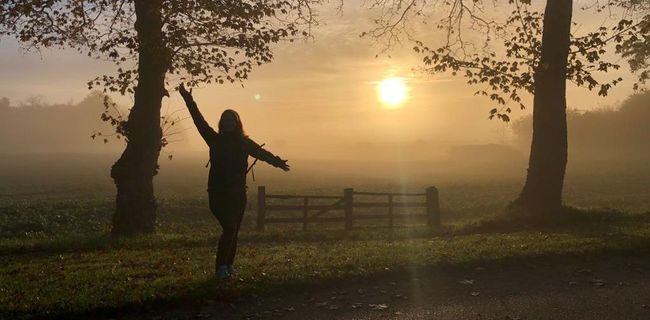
501,62
153,43
204,41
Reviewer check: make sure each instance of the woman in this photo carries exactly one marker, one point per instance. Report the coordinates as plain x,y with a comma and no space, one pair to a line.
229,151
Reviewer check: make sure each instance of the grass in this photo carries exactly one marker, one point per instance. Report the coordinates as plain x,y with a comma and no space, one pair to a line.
57,260
72,276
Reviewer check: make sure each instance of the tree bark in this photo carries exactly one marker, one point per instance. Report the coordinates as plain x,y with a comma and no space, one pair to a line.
135,210
542,192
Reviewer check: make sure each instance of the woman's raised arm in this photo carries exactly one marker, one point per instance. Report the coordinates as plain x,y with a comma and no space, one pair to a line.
204,128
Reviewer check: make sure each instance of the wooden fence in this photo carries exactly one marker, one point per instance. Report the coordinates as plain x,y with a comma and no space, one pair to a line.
346,203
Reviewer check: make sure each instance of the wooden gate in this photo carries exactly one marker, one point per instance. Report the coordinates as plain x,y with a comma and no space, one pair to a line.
346,203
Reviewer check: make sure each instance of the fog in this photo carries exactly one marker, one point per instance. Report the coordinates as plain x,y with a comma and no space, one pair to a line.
316,104
384,135
317,99
40,139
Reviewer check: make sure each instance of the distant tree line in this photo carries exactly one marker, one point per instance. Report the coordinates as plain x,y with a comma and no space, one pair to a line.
36,126
603,134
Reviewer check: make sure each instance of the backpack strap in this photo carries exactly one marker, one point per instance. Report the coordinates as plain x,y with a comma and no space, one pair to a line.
252,165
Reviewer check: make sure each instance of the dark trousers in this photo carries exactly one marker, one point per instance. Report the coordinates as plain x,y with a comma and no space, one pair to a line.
228,207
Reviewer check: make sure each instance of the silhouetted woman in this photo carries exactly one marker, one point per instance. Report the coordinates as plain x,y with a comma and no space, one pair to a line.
229,151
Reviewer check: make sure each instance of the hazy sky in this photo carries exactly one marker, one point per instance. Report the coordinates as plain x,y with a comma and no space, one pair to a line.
316,93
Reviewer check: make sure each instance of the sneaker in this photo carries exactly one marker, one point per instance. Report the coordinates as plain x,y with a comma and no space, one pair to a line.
223,272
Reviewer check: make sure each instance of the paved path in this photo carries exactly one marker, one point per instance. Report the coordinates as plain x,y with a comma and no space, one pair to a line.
566,288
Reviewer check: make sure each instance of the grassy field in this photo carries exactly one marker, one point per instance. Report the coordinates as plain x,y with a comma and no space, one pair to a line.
57,259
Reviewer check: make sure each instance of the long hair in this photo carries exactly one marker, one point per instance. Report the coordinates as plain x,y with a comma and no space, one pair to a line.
240,127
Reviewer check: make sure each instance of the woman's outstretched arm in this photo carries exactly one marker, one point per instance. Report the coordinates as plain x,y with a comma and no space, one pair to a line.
204,128
257,152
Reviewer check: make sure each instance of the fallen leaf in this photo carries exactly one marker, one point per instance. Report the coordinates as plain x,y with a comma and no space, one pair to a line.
598,282
475,294
468,282
378,306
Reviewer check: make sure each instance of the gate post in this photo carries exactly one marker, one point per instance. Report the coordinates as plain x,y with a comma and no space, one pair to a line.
433,207
348,198
261,207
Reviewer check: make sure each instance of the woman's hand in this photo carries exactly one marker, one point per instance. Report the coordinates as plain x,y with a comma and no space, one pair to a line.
187,95
284,166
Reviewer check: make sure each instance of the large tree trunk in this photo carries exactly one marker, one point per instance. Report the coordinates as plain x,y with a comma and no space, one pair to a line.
133,173
542,193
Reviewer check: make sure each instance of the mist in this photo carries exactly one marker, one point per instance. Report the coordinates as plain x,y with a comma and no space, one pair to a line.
37,136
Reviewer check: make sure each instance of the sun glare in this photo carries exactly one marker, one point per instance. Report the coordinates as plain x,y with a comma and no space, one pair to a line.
392,92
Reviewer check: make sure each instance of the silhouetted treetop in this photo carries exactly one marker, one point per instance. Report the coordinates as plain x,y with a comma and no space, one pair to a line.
205,41
196,41
500,56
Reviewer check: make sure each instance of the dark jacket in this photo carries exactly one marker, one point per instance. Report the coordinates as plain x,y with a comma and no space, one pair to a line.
228,154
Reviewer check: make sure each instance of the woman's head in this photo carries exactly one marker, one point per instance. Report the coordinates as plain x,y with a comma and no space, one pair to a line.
230,122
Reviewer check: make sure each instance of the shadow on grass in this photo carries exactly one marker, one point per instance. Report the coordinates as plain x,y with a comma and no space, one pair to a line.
224,295
572,221
95,242
98,242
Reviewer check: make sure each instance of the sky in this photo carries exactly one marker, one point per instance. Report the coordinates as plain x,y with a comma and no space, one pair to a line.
319,96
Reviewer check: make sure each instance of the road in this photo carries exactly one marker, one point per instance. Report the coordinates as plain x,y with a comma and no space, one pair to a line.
595,287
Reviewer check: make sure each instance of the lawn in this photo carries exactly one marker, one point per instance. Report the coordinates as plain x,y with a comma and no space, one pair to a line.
66,276
57,259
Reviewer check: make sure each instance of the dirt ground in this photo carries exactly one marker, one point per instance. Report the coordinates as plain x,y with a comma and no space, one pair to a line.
592,287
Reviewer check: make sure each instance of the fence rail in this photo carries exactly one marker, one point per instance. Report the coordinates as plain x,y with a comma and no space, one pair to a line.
346,204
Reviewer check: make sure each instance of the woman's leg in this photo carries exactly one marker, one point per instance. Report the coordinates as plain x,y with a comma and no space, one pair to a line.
239,207
220,205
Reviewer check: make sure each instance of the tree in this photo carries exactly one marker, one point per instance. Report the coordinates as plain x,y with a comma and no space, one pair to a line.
542,192
196,41
637,48
539,54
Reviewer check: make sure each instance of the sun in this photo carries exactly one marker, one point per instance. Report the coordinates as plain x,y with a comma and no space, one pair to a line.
392,92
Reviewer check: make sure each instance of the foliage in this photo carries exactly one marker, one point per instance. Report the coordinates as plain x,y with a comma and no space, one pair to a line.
504,66
637,50
204,41
209,41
